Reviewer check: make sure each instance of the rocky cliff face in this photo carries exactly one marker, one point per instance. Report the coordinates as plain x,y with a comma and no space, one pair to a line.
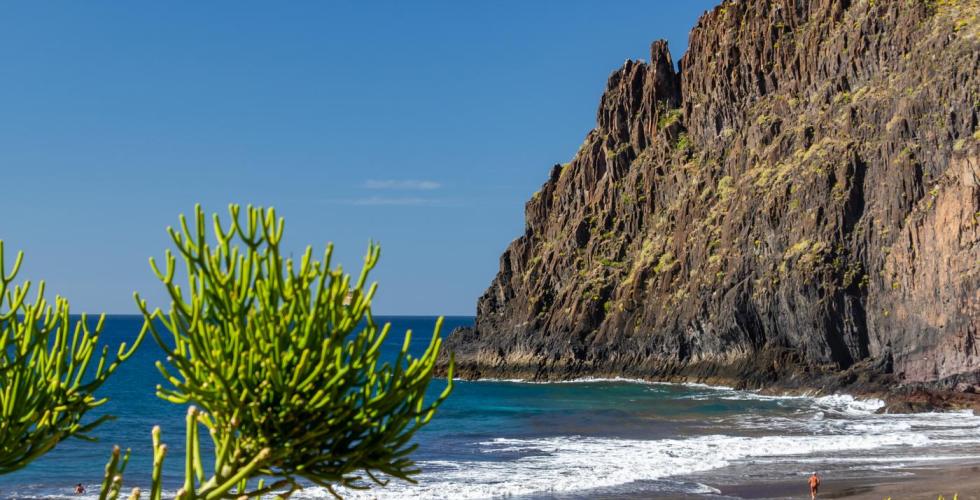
798,205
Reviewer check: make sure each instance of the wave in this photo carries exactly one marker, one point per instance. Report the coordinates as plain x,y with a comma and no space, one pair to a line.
567,464
91,493
844,403
580,380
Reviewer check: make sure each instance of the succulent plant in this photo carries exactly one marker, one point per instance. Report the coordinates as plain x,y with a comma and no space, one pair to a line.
47,379
283,358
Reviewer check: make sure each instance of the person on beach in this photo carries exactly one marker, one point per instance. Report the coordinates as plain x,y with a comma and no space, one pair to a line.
79,489
814,485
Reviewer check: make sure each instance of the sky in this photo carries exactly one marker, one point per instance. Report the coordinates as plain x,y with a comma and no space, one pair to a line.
424,126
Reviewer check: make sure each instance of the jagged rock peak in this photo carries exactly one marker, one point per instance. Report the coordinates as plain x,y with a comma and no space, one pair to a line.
637,95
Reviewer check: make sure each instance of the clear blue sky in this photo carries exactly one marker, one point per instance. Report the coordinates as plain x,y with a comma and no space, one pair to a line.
423,126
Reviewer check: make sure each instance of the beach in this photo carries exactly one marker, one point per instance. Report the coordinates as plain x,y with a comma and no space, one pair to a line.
916,483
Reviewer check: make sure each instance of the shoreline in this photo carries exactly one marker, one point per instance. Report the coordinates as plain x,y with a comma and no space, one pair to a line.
897,398
917,480
748,393
962,478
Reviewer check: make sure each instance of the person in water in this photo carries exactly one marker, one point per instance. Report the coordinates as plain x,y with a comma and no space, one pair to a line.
79,489
814,485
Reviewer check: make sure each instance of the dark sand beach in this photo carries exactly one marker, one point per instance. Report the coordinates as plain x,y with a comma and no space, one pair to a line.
919,483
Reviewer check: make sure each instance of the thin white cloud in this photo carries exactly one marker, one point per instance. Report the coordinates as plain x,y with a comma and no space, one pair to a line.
392,201
404,185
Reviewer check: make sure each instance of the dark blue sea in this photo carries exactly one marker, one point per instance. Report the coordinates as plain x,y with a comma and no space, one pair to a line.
580,439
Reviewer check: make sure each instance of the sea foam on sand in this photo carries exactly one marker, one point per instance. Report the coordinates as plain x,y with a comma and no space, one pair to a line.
841,429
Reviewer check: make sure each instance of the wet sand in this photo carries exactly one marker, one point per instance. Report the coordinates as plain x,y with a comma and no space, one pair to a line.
921,483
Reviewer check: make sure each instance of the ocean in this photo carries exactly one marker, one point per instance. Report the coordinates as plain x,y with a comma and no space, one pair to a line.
580,439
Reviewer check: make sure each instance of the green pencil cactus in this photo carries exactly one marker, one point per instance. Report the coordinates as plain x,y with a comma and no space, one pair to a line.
283,358
47,379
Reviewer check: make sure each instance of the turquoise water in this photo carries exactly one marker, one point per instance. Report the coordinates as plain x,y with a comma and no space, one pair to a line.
581,439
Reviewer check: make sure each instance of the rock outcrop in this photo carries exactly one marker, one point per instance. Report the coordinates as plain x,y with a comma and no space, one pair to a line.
797,206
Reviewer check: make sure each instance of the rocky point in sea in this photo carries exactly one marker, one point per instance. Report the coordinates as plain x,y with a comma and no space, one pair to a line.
796,207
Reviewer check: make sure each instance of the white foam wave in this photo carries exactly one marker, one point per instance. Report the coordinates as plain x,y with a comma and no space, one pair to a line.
567,464
842,403
863,460
91,493
588,380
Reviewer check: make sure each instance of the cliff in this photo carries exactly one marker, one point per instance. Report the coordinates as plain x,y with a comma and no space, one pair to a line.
797,206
